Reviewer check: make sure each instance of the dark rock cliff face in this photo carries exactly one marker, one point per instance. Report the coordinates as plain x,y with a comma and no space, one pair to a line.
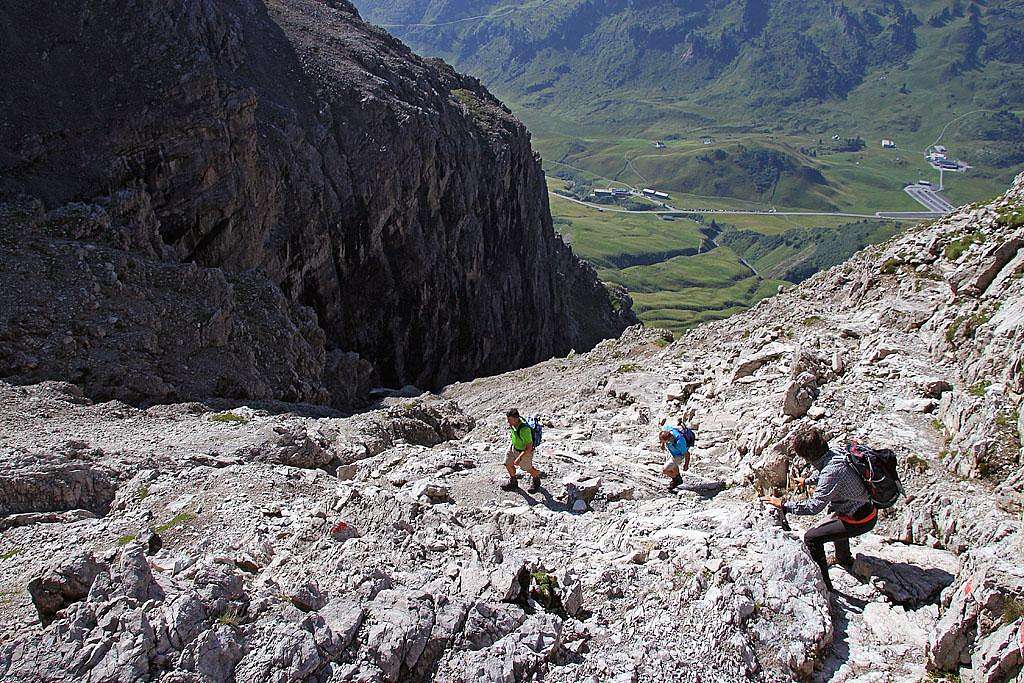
288,140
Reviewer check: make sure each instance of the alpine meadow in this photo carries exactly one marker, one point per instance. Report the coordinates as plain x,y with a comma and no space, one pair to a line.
764,105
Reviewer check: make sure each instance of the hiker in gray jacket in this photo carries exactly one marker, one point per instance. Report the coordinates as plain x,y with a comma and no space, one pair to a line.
840,488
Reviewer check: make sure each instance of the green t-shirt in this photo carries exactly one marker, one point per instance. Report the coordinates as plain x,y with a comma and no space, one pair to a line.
522,436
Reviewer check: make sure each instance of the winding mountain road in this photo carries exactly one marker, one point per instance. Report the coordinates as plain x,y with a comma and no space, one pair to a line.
949,123
671,210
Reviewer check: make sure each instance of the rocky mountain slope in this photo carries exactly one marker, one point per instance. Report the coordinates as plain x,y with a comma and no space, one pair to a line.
266,200
188,543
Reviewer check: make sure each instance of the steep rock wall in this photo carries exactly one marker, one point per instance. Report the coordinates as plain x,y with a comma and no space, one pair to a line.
396,198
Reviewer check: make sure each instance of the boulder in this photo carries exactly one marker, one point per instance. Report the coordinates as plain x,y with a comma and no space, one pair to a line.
398,626
798,398
214,654
973,608
681,391
276,648
306,595
70,582
999,657
133,577
289,445
915,405
342,618
617,491
431,492
511,581
579,487
519,656
931,387
748,365
489,622
911,576
771,471
809,360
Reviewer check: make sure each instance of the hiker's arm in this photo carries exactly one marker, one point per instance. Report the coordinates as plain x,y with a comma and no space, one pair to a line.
686,460
529,449
816,503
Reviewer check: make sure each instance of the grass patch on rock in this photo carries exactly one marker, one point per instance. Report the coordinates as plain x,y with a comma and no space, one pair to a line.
978,390
955,249
1011,217
1013,609
229,418
917,463
176,521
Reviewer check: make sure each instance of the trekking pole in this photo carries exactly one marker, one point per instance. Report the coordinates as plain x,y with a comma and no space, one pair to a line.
781,512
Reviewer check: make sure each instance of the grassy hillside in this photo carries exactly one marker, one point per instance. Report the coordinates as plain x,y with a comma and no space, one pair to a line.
756,104
676,273
596,82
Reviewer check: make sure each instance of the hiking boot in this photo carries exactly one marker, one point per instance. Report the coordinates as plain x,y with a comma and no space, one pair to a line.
512,485
676,481
534,485
846,564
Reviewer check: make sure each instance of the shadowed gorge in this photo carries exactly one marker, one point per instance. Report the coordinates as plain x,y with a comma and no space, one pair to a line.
290,141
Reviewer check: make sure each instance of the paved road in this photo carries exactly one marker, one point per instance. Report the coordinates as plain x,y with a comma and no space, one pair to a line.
671,210
928,198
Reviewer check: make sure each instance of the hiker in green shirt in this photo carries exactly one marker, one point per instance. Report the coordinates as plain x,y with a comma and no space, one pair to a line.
520,453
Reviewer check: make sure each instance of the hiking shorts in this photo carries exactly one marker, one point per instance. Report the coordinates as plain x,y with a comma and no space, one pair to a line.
521,458
672,465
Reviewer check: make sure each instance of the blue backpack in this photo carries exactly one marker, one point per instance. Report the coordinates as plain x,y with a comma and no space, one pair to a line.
690,436
533,422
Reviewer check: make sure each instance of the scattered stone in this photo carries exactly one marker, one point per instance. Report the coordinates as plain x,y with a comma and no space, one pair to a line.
915,405
429,491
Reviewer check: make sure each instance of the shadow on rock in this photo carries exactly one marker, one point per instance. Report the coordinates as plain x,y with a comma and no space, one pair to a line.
904,583
547,500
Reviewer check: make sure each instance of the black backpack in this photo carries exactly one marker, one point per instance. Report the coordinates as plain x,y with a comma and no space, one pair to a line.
690,436
877,469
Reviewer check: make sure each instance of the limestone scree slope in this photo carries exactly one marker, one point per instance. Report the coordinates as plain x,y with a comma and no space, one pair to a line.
267,200
246,541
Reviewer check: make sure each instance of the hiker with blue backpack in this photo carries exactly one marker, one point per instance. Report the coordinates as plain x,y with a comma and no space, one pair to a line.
677,441
526,436
854,486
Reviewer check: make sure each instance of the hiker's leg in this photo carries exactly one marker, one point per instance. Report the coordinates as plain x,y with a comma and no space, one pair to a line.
671,468
843,555
510,462
525,461
817,537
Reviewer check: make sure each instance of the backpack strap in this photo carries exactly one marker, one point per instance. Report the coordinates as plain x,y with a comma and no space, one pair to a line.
865,520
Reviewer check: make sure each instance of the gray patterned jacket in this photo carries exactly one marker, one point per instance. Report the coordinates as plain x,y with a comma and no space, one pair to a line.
839,487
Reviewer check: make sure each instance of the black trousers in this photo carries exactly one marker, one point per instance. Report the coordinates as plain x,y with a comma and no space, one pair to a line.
839,533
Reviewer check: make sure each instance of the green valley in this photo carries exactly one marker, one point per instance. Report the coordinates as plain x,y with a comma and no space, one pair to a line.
767,105
681,271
